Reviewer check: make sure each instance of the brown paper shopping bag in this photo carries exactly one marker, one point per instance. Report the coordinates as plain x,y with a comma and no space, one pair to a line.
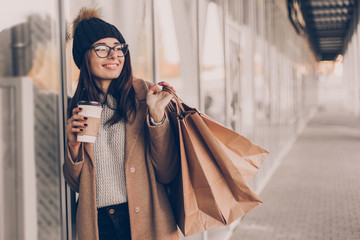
216,165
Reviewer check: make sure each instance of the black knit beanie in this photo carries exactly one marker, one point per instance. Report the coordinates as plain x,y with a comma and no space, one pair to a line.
89,28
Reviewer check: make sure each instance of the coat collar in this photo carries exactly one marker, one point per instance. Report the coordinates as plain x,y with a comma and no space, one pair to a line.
132,128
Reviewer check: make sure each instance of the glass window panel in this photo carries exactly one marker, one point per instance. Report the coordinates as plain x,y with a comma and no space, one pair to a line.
261,93
236,54
212,68
168,46
175,23
29,95
234,10
246,12
133,19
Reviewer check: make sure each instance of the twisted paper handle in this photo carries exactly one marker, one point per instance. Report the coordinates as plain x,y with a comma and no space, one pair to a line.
176,104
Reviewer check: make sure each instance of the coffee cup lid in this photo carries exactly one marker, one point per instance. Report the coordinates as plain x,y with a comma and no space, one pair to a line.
93,103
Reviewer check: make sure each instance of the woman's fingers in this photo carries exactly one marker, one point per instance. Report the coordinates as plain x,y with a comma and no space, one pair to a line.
79,124
152,89
166,84
77,130
162,83
76,110
78,117
76,124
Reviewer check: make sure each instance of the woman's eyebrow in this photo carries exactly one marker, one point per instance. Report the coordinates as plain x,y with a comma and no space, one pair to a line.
102,43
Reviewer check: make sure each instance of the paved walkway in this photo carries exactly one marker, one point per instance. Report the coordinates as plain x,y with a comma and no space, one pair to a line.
315,192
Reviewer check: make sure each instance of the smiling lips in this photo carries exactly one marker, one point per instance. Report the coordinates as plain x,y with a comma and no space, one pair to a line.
112,66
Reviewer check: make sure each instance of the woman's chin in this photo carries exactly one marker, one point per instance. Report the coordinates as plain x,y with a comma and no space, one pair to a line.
110,76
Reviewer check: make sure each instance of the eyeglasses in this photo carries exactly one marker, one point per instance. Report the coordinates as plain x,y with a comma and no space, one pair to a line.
103,51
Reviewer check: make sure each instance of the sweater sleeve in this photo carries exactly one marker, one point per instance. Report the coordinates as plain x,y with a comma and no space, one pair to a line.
72,168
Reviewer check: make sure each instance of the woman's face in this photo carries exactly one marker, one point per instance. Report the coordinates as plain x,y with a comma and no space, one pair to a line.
107,68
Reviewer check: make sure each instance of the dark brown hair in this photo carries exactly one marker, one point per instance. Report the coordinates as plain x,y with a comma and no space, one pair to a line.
120,88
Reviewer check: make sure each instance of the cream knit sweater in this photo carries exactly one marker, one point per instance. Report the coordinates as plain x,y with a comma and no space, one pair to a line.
109,156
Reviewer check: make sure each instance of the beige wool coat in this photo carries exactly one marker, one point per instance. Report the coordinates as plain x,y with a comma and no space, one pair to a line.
150,161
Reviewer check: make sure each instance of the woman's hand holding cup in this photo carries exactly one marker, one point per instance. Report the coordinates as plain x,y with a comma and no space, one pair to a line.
75,124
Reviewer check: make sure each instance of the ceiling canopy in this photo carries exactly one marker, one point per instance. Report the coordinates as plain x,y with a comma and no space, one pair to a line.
327,23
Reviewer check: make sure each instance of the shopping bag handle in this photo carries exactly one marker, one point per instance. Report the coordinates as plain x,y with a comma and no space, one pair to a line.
176,104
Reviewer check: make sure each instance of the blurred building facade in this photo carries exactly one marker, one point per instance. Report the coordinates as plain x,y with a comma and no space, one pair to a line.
239,61
351,64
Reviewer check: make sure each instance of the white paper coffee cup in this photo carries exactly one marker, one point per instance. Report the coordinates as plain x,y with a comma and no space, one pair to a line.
92,110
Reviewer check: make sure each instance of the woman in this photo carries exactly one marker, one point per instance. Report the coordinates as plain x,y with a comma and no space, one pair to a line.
120,177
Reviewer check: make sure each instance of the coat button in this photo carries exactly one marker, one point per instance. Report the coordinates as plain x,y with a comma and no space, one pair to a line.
132,169
137,209
111,211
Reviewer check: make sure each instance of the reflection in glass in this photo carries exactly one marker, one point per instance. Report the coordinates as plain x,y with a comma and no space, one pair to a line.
176,45
212,65
261,93
30,58
235,78
168,52
137,28
8,169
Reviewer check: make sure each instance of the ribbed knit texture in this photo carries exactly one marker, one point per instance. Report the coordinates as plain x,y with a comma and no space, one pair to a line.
109,156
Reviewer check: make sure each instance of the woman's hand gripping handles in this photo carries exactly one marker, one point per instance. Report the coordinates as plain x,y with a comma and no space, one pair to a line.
157,100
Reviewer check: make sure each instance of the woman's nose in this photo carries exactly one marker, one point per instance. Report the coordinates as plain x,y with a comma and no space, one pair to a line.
112,53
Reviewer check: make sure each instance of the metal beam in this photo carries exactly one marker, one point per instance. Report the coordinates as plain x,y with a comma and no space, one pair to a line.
327,22
331,32
329,56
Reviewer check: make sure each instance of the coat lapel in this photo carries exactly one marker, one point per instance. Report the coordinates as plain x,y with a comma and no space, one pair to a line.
133,129
88,150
